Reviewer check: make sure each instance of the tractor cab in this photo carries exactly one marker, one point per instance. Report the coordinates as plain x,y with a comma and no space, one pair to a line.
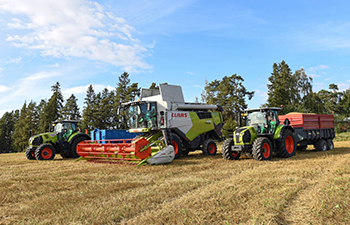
64,129
264,120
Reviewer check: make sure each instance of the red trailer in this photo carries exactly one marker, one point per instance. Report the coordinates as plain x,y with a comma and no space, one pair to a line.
311,129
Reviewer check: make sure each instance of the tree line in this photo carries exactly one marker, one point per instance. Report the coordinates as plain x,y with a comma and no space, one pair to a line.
292,90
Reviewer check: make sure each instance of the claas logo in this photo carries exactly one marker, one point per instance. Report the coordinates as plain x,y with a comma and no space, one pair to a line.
179,114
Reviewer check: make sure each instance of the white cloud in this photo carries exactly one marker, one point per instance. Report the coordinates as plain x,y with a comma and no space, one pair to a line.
313,75
80,28
4,88
191,73
262,94
15,60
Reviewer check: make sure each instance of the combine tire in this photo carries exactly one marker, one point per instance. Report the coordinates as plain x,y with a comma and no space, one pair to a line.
209,147
177,144
262,149
73,147
321,145
227,152
330,144
45,152
286,146
30,153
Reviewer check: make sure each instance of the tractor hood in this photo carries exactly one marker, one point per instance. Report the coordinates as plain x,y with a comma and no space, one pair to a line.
38,139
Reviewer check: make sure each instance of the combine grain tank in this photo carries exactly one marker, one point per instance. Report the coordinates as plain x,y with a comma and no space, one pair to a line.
311,129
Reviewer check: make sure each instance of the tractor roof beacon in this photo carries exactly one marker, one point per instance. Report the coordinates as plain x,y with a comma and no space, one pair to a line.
62,139
259,135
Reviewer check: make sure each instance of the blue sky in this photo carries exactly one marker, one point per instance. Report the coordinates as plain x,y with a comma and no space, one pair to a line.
81,42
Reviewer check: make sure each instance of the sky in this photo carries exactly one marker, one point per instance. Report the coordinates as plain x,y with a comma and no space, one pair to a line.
183,42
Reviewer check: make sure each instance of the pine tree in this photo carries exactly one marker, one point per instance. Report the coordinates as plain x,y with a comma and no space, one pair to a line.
53,108
6,131
89,105
71,109
22,130
125,92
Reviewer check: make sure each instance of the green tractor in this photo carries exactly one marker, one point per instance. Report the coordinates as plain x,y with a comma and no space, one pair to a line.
62,139
260,136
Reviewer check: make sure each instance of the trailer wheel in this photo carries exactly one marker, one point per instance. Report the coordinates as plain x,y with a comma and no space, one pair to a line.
45,152
177,144
227,152
286,146
262,149
209,147
330,144
30,153
321,145
73,147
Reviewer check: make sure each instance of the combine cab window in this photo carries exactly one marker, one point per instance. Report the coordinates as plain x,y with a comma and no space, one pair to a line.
143,115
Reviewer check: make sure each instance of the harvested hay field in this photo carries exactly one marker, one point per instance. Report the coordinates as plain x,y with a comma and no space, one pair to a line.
309,188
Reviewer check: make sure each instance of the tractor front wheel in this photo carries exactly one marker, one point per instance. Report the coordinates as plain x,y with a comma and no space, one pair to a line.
30,153
227,152
45,152
262,149
209,147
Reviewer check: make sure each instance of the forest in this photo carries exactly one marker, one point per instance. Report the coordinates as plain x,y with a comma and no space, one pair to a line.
293,91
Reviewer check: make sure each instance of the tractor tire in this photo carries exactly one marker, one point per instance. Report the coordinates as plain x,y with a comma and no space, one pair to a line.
227,152
177,144
262,149
30,153
45,152
286,146
209,147
65,156
321,145
330,144
73,147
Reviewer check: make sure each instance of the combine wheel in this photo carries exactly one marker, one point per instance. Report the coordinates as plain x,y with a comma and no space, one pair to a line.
30,153
73,147
262,149
227,152
209,147
287,146
177,144
321,145
330,144
45,152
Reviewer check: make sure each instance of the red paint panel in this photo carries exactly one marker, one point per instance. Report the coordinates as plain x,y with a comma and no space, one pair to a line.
308,121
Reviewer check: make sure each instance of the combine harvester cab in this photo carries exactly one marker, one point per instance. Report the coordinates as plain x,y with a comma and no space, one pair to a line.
166,124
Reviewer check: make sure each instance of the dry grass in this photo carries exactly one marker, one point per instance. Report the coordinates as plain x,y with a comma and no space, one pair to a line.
309,188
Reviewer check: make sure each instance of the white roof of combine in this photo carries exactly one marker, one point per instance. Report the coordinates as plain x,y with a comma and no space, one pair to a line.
166,92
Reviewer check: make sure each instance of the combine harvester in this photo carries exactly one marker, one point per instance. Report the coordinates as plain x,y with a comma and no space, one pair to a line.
168,126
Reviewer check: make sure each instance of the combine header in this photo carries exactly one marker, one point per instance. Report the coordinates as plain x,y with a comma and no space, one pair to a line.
168,128
130,151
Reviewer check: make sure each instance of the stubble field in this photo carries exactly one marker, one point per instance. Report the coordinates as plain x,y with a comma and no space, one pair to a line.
309,188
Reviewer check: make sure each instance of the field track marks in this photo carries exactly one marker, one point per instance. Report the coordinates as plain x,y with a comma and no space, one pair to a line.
298,209
196,199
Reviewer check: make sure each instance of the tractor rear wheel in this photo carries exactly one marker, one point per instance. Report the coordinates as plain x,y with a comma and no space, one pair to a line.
209,147
177,144
321,145
286,145
262,149
30,153
330,144
227,152
73,147
45,152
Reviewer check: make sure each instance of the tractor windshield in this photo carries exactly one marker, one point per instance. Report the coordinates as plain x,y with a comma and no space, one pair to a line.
143,115
256,118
